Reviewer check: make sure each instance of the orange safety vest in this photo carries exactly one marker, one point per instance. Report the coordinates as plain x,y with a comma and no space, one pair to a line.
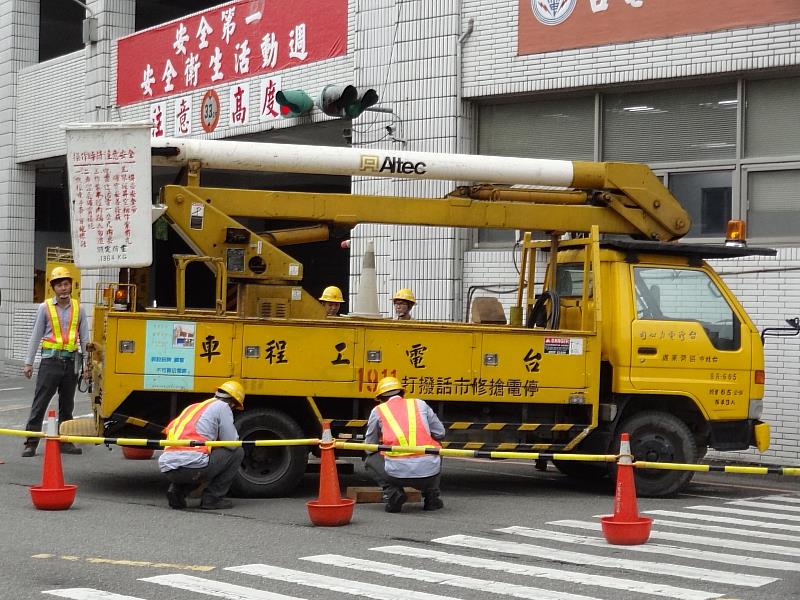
184,427
402,425
62,340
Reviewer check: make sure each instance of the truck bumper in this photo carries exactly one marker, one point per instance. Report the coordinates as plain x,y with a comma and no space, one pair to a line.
739,435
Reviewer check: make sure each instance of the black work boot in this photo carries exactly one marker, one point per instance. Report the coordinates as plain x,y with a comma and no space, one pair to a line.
432,501
395,501
216,504
30,450
176,496
70,448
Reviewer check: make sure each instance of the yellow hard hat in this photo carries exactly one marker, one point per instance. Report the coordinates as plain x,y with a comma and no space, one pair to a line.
235,390
331,294
388,384
59,273
405,294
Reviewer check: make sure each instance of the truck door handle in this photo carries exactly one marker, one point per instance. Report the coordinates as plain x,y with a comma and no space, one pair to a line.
649,350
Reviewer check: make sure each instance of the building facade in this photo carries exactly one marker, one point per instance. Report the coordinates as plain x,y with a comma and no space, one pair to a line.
706,96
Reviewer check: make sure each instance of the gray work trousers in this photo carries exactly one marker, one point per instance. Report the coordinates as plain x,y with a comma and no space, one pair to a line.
391,485
55,375
223,464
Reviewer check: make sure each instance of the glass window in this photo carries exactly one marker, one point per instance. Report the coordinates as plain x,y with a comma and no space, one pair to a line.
559,129
671,125
706,196
772,118
774,204
670,294
60,28
569,280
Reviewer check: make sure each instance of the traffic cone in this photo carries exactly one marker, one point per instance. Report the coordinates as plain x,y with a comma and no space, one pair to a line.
366,304
330,509
625,527
53,493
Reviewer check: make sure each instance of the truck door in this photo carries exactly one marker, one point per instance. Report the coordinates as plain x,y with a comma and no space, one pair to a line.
687,340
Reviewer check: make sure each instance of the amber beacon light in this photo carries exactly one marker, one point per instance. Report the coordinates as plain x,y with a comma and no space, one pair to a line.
736,235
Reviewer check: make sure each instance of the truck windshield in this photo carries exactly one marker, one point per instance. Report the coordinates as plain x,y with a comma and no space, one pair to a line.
673,294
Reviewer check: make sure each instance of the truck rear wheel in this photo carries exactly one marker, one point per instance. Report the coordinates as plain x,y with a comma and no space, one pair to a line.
659,437
269,471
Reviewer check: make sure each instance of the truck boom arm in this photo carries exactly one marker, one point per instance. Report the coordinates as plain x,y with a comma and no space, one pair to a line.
620,197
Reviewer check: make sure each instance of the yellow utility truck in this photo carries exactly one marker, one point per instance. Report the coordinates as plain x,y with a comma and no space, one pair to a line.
630,331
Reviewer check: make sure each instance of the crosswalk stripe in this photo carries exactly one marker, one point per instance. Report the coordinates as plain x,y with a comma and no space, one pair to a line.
688,553
744,513
580,558
693,539
88,594
729,520
790,499
334,584
218,589
766,506
493,587
614,583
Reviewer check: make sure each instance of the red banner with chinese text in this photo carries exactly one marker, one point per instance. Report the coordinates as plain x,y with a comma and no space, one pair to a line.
232,41
547,25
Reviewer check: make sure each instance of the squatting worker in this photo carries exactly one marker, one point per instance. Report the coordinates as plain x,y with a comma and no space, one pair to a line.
61,328
403,301
332,300
189,467
400,421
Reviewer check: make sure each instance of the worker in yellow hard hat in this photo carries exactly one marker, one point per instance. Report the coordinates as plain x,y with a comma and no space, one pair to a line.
403,301
62,330
332,300
188,467
400,421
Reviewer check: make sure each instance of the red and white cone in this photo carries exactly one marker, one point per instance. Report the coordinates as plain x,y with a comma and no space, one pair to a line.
330,509
53,493
625,526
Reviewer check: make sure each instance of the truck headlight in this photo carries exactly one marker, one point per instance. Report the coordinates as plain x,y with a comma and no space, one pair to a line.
756,408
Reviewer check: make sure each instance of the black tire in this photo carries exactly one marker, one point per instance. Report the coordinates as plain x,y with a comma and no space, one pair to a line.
267,472
659,437
588,471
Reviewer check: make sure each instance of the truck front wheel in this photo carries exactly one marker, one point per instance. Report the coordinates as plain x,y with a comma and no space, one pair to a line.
659,437
269,471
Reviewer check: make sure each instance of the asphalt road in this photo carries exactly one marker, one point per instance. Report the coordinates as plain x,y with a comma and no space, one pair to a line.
507,531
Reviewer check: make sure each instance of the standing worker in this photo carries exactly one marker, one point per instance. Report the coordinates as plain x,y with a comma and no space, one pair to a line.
61,327
399,421
332,300
403,301
187,467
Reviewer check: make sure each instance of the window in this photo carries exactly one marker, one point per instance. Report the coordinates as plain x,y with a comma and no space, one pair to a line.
669,294
569,280
706,196
671,125
774,200
60,28
772,118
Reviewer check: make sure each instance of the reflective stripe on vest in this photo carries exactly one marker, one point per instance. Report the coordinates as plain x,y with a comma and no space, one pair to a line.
412,432
184,427
58,340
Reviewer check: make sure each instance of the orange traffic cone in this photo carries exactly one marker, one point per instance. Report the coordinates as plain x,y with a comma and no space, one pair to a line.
625,526
53,493
330,509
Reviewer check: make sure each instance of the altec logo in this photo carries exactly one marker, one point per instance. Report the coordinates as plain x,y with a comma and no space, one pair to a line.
552,12
391,164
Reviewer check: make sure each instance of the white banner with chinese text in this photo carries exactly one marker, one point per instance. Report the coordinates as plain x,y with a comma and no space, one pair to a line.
110,194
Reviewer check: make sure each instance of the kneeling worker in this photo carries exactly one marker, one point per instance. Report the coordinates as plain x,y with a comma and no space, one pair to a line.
399,421
187,467
332,300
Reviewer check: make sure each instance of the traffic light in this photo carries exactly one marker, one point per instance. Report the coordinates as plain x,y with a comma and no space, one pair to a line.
294,103
346,101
